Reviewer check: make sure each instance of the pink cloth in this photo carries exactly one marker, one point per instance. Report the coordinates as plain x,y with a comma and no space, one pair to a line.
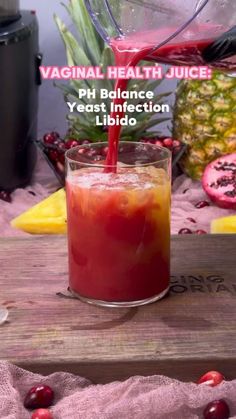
186,193
153,397
46,183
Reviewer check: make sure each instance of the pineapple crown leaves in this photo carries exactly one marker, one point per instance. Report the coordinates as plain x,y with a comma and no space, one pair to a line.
88,49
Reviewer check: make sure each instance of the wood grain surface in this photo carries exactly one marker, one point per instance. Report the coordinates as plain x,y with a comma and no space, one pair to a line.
190,331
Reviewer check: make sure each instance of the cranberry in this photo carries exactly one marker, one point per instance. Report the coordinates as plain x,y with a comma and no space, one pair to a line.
55,134
42,414
191,220
51,137
91,153
217,410
104,151
61,146
168,142
202,204
71,143
39,396
54,155
176,143
199,232
98,158
61,158
158,143
84,142
5,196
185,231
211,378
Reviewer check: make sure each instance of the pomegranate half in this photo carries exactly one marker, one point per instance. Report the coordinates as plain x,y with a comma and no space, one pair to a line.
219,181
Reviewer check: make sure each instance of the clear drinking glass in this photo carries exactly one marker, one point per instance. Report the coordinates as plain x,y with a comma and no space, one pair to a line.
119,224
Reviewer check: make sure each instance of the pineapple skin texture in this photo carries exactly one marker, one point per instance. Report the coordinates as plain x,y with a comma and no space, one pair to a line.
225,225
47,217
205,120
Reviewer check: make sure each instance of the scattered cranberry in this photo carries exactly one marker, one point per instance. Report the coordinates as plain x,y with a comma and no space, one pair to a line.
168,142
42,414
211,378
199,232
71,143
5,196
39,396
185,231
217,410
51,137
202,204
192,220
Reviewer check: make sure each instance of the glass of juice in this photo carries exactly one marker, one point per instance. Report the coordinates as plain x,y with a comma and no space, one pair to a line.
119,224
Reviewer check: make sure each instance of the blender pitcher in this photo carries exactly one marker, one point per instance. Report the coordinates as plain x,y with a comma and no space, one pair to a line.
173,31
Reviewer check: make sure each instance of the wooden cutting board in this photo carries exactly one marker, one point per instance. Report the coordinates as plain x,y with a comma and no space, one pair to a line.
187,333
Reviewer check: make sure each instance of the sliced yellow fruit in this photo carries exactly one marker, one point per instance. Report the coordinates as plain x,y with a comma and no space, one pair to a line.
225,225
47,217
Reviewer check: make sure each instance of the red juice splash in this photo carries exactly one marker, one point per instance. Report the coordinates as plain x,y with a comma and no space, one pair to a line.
127,58
185,49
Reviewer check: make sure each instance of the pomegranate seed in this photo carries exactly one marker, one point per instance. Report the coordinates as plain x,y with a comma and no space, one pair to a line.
217,410
71,143
5,196
84,142
168,142
211,378
42,414
200,232
185,231
81,150
192,220
39,396
202,204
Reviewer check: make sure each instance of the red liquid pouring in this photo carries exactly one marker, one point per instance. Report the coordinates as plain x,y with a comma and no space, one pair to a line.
185,49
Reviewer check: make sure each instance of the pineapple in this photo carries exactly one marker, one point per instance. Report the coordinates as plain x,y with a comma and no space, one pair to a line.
205,119
46,217
225,225
88,49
